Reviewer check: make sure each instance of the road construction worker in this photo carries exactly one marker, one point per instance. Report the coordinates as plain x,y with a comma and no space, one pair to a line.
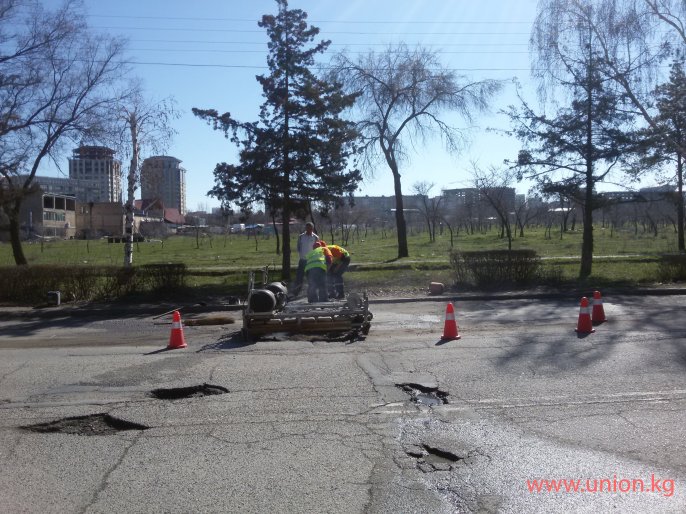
339,265
305,242
318,261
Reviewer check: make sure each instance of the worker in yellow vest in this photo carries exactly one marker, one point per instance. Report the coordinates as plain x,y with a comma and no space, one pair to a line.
318,261
340,262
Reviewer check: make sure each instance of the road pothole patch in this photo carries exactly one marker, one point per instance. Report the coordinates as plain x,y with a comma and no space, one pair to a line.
197,391
350,336
431,459
424,395
92,424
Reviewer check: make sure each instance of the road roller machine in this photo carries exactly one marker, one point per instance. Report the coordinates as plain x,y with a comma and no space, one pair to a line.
268,310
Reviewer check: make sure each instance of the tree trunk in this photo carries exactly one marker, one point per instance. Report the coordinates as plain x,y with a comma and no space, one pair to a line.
276,233
680,202
400,217
286,233
130,192
587,243
286,210
15,235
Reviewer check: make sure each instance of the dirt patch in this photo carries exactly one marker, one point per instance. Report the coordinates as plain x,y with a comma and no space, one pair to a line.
197,391
212,319
92,424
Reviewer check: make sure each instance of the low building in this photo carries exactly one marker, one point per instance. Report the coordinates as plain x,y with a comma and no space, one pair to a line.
47,215
81,189
97,219
152,218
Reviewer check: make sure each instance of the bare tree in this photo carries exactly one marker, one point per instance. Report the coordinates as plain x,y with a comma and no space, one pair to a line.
494,186
144,129
430,208
631,37
56,86
530,210
403,94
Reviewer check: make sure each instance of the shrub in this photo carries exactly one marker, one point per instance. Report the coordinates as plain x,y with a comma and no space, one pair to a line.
163,277
672,267
30,284
495,268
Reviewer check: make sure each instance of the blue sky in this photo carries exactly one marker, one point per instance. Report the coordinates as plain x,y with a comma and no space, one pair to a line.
206,54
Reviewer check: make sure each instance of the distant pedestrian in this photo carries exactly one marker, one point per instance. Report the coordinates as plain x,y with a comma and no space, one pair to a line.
305,242
318,261
340,261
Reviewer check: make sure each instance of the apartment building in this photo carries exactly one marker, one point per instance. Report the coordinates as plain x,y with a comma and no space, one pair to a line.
98,174
163,177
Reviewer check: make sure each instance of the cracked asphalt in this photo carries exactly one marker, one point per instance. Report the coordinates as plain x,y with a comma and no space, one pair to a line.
313,426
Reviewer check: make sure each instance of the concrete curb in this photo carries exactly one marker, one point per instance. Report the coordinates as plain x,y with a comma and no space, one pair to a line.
531,295
145,310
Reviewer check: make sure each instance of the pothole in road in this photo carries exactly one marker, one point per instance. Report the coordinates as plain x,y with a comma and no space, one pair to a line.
431,459
177,393
92,424
350,336
424,395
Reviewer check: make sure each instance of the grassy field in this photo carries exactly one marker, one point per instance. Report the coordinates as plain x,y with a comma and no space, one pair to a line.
620,257
241,250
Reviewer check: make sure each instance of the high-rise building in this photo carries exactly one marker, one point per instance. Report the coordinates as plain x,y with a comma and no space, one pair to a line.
163,177
96,165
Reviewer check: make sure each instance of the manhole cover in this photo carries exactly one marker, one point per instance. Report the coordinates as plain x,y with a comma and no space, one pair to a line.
424,395
92,424
176,393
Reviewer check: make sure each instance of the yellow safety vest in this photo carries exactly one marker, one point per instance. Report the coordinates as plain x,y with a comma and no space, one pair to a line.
316,259
338,252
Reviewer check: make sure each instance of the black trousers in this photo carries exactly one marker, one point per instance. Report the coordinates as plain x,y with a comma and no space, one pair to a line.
316,286
336,271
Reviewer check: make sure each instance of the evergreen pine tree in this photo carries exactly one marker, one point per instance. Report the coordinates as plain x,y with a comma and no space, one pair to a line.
579,146
298,150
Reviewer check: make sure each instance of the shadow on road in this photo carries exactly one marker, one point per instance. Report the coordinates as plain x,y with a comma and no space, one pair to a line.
232,341
573,351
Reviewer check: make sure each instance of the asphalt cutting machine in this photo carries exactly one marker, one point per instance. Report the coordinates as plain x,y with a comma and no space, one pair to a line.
268,310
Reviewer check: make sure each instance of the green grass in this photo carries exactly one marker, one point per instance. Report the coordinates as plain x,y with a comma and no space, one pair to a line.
223,261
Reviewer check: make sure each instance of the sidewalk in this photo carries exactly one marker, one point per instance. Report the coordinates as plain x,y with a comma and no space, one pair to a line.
145,309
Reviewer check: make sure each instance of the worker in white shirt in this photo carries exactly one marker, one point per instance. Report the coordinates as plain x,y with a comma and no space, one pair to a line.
306,241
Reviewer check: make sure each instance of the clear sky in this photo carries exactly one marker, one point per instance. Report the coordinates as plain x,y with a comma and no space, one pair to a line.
206,54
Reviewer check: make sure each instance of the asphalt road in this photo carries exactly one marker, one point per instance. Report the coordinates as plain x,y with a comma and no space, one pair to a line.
316,426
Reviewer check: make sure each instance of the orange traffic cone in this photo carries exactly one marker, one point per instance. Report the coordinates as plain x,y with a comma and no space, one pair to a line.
176,339
598,311
450,327
584,326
